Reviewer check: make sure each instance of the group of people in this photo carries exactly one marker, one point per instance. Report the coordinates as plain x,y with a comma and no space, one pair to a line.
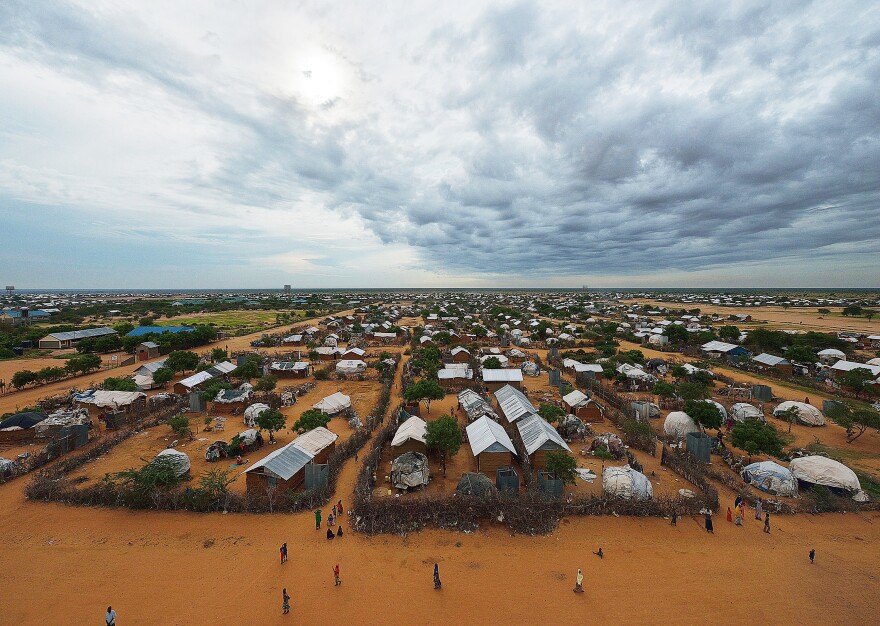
738,513
332,520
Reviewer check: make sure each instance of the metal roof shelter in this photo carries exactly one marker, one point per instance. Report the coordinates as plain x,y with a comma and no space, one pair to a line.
315,440
576,398
723,347
770,359
289,366
81,334
514,403
538,434
474,404
486,435
151,367
284,462
502,376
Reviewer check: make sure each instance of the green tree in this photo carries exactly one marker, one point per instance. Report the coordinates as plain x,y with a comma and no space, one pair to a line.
182,361
266,383
119,384
424,390
729,333
310,420
550,412
703,413
562,465
179,424
251,368
123,328
800,354
492,363
163,376
83,363
755,436
146,321
218,354
664,389
22,378
856,420
692,391
859,380
272,420
480,331
444,436
677,333
678,372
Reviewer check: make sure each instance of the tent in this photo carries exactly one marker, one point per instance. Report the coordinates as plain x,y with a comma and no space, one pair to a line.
807,413
611,442
720,408
771,477
625,482
351,366
474,484
741,411
679,424
334,403
820,470
23,420
178,459
414,428
249,437
52,425
410,469
251,413
228,396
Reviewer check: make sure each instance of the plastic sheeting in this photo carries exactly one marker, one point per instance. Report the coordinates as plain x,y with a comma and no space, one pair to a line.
741,411
180,460
625,482
410,469
807,413
771,477
679,424
251,413
820,470
334,403
720,407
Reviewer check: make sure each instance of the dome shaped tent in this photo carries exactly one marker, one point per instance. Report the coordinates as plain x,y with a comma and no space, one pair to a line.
720,408
475,484
251,413
625,482
771,477
807,413
742,411
679,424
410,469
820,470
178,459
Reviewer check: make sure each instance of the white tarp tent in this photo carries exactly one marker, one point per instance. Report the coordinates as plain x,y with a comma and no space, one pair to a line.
413,428
771,477
742,411
251,413
820,470
807,413
334,403
178,459
111,399
679,424
720,408
625,482
351,366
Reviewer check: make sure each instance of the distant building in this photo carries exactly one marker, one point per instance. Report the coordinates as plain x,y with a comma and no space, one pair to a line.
56,341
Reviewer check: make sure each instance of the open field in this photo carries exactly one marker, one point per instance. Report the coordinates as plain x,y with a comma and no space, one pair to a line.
226,320
780,318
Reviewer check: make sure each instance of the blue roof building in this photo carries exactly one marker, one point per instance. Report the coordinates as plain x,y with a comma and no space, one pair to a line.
146,330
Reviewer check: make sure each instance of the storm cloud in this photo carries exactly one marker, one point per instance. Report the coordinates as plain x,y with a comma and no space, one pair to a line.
515,143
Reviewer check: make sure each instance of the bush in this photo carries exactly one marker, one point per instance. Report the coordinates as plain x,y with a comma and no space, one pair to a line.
550,412
179,424
119,384
310,420
754,437
562,465
322,374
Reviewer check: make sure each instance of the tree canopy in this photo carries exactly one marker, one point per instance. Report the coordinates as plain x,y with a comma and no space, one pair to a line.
272,420
444,436
703,413
562,465
310,420
182,361
426,390
550,412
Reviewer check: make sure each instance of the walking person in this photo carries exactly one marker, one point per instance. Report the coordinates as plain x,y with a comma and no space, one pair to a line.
334,511
759,509
599,553
729,515
812,555
674,518
739,515
709,528
437,583
579,583
339,507
318,519
285,601
767,523
336,574
283,553
110,618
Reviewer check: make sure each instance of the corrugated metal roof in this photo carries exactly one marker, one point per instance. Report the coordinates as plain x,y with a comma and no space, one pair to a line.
290,366
413,428
196,379
82,334
315,440
514,403
150,344
502,376
152,367
484,432
452,373
718,346
769,359
575,398
284,462
537,433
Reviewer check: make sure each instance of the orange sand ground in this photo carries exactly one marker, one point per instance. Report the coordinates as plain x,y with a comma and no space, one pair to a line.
64,565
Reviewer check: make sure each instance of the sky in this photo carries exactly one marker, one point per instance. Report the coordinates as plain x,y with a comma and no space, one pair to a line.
212,144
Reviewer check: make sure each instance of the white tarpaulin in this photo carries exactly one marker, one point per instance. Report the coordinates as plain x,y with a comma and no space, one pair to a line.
251,413
625,482
771,477
820,470
334,403
179,459
679,424
112,399
807,413
742,411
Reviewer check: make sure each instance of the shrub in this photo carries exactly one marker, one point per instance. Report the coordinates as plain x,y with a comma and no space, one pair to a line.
179,424
310,420
755,436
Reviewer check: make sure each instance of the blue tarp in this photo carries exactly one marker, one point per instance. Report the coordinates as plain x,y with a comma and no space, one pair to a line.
145,330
